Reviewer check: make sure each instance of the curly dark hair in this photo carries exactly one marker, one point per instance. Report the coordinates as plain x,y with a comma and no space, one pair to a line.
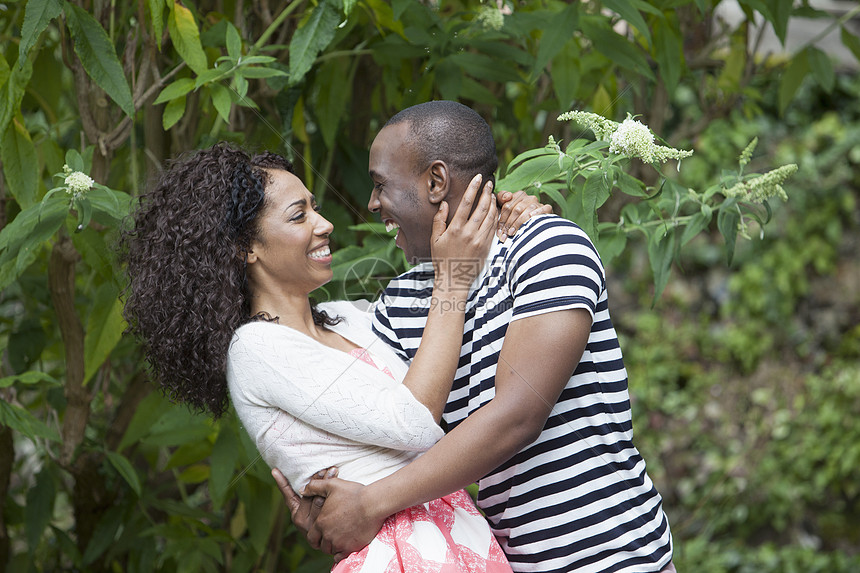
185,252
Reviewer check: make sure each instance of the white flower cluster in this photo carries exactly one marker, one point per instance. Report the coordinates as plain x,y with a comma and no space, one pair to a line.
77,182
601,126
490,18
631,138
764,186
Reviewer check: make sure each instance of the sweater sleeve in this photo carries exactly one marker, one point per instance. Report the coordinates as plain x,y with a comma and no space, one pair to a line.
327,389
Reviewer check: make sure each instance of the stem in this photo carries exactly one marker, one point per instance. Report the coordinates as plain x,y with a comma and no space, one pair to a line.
342,53
821,35
273,26
7,461
61,281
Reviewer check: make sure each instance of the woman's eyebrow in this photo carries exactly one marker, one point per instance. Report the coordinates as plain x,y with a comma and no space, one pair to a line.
302,202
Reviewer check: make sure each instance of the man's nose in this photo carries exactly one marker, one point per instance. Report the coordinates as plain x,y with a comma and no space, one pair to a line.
373,204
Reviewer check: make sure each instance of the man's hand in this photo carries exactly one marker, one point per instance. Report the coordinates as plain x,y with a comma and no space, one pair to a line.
304,510
345,523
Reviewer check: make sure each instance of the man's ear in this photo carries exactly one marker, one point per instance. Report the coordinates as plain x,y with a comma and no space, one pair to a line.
438,181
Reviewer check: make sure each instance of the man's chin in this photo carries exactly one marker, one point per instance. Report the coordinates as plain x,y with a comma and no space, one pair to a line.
415,259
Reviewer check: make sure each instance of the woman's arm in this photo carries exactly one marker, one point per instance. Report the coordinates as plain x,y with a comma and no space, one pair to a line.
459,252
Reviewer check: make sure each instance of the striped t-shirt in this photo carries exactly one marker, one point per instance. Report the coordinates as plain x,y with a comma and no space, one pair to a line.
578,498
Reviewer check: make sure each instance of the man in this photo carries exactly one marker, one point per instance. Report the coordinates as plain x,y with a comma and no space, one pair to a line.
539,413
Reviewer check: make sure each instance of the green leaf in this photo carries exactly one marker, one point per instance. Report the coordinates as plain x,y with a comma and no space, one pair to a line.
173,112
628,11
233,41
553,191
399,6
13,83
793,76
241,86
126,470
186,38
189,453
176,427
449,79
30,377
475,91
261,72
85,212
75,161
194,474
221,100
174,90
37,15
534,170
565,74
98,56
594,194
156,11
20,163
615,47
312,38
39,508
260,508
696,225
22,239
727,222
249,60
629,185
822,68
147,414
661,251
611,244
484,67
851,42
333,97
5,72
114,204
104,328
780,12
104,534
212,75
20,420
669,54
559,28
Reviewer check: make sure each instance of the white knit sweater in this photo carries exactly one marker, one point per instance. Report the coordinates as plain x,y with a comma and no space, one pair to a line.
309,407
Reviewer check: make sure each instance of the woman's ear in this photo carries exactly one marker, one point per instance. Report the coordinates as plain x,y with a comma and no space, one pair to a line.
249,256
438,181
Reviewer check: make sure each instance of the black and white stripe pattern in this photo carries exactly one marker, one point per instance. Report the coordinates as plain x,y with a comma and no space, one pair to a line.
578,498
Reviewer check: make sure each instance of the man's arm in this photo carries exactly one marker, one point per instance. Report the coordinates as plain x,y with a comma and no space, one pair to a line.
537,359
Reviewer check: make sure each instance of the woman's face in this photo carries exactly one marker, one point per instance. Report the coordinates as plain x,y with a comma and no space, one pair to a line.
292,254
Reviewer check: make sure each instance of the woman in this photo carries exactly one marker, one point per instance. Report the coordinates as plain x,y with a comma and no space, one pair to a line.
222,256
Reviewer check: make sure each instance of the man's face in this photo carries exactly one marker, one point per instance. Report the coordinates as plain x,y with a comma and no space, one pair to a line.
400,194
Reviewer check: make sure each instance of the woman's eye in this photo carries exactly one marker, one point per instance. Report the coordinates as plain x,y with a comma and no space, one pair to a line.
317,208
298,216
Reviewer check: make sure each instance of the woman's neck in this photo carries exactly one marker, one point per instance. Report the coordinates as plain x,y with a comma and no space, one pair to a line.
291,311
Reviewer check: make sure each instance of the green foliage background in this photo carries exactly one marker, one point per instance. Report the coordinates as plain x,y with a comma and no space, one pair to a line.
744,379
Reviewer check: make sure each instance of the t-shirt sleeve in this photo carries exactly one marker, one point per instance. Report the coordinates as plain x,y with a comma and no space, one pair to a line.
383,328
344,397
554,266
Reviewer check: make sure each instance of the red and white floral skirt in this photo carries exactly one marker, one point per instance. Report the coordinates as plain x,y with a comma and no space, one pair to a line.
447,535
